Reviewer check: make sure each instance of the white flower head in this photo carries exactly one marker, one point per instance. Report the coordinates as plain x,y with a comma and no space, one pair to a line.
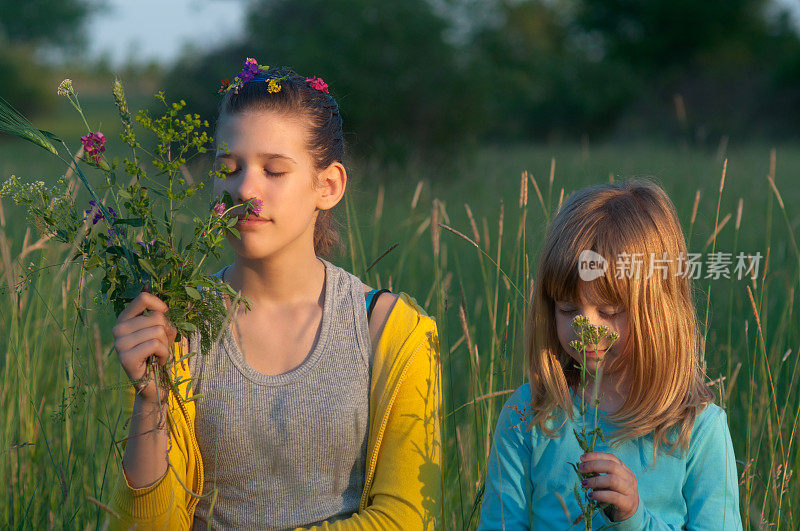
65,88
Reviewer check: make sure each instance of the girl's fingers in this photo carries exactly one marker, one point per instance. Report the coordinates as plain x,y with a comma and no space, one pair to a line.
607,482
129,341
594,456
144,350
602,466
142,302
609,496
141,322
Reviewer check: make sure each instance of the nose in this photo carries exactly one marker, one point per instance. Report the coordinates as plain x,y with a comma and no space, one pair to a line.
247,184
596,318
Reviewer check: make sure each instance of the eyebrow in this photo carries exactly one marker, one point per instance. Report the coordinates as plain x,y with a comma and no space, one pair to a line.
232,155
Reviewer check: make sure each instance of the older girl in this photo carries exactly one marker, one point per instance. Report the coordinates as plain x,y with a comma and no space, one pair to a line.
320,403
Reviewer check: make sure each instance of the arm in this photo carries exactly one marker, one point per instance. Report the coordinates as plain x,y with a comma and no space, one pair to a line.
508,489
406,492
161,504
711,489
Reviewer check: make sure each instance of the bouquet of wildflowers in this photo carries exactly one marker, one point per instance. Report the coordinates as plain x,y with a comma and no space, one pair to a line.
589,336
129,228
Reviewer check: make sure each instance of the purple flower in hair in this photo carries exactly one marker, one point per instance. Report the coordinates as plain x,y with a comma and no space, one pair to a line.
249,71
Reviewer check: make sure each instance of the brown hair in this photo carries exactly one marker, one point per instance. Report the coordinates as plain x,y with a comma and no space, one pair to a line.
662,354
321,113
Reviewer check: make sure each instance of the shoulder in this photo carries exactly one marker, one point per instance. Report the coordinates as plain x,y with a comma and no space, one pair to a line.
516,410
711,418
409,335
710,431
384,302
521,397
514,428
407,318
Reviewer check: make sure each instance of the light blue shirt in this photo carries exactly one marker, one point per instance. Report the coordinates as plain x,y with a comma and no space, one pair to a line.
697,490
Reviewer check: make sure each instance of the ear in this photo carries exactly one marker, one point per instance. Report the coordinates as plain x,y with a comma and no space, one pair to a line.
331,183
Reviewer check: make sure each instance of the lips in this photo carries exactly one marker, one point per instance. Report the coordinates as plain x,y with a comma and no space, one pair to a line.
250,221
596,353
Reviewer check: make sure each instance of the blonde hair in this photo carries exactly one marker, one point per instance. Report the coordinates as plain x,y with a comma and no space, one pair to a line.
661,358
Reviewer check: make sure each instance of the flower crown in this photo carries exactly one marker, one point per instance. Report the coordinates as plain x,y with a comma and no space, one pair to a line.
251,69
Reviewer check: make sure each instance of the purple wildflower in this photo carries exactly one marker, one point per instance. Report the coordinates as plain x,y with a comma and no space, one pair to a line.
219,209
98,213
249,71
116,231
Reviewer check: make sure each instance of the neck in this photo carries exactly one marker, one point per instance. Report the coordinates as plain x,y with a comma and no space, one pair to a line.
280,279
612,389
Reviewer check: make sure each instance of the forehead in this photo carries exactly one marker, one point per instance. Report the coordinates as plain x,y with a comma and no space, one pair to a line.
568,287
253,132
584,292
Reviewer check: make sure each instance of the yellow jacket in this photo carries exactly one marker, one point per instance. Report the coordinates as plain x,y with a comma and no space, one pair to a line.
403,481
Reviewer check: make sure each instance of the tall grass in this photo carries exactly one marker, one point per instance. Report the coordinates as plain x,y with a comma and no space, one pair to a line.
465,245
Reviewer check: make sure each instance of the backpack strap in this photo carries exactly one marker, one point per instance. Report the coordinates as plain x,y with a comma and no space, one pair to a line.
371,297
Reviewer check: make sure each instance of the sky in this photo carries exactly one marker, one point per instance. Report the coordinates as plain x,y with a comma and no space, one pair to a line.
157,30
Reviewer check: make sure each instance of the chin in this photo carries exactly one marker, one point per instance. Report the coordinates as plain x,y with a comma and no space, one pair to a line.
251,248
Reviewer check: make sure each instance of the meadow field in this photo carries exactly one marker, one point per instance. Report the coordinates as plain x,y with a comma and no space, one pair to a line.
61,384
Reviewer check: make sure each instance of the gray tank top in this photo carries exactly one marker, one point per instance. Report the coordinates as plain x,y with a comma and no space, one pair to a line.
287,450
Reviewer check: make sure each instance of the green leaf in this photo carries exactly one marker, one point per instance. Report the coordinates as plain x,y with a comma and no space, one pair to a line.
187,356
235,232
133,222
132,291
185,326
147,266
193,293
92,262
49,135
123,194
115,249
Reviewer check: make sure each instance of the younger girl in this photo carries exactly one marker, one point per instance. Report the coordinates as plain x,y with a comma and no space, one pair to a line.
313,412
668,461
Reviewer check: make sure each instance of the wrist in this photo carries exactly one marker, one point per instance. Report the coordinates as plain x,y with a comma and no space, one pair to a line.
146,390
634,522
146,394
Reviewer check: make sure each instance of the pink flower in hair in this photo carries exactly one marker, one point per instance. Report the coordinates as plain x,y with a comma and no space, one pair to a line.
317,84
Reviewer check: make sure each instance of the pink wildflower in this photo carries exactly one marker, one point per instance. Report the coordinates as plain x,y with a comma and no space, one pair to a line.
255,206
317,84
93,145
219,208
